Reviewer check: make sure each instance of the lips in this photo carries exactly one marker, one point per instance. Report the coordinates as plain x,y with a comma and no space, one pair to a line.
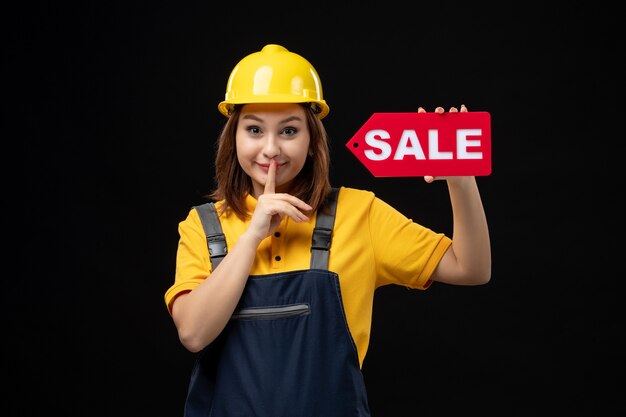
266,167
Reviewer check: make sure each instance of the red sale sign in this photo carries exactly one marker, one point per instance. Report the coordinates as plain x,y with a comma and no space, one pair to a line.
418,144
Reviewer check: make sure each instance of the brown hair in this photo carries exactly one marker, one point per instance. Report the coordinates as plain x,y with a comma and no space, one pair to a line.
311,185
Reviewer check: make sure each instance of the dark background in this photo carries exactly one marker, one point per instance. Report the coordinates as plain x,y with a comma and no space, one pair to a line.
110,120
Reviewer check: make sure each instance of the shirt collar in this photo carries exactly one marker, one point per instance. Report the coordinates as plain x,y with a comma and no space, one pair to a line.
250,203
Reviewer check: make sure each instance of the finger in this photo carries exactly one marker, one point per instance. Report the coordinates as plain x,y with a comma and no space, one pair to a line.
292,200
430,179
270,181
421,110
454,110
439,110
463,108
296,214
284,207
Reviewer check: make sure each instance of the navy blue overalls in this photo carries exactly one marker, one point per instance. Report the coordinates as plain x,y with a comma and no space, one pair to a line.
287,350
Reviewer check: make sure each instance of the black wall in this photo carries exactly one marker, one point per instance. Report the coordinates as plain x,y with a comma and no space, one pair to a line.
110,120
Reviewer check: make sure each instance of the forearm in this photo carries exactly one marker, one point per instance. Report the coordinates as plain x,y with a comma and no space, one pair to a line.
202,314
471,248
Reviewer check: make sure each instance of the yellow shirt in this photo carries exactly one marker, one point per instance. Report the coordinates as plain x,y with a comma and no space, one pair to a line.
372,245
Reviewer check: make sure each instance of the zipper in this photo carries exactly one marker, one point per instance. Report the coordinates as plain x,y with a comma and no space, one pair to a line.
269,313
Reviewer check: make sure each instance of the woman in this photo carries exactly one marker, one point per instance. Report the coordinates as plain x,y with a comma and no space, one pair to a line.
280,314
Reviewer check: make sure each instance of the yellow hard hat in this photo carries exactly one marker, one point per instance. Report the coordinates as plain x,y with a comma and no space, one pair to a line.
274,75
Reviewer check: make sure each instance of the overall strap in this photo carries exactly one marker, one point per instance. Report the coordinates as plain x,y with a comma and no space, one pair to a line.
213,229
320,242
322,233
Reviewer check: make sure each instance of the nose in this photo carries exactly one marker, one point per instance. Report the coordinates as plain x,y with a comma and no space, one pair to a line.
271,147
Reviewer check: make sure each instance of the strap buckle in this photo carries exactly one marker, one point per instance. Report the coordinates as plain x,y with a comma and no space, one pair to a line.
217,245
321,238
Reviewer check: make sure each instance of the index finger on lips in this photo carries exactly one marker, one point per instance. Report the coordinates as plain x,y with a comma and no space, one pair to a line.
270,181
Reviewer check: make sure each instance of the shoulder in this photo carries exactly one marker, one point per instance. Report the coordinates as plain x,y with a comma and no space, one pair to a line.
354,195
196,213
191,223
354,204
361,199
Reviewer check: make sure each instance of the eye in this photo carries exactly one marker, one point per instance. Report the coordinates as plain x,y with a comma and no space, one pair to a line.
253,130
290,131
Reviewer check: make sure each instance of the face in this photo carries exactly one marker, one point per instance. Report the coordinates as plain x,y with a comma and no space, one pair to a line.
277,131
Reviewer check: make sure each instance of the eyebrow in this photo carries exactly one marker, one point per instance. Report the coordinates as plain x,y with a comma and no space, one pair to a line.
258,119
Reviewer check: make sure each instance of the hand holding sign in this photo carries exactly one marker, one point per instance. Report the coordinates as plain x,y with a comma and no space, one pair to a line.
425,144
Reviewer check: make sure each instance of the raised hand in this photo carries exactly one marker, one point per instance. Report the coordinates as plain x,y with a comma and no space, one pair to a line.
440,110
272,208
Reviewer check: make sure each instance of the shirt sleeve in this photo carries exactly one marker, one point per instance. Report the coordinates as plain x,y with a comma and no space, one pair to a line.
406,252
193,262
